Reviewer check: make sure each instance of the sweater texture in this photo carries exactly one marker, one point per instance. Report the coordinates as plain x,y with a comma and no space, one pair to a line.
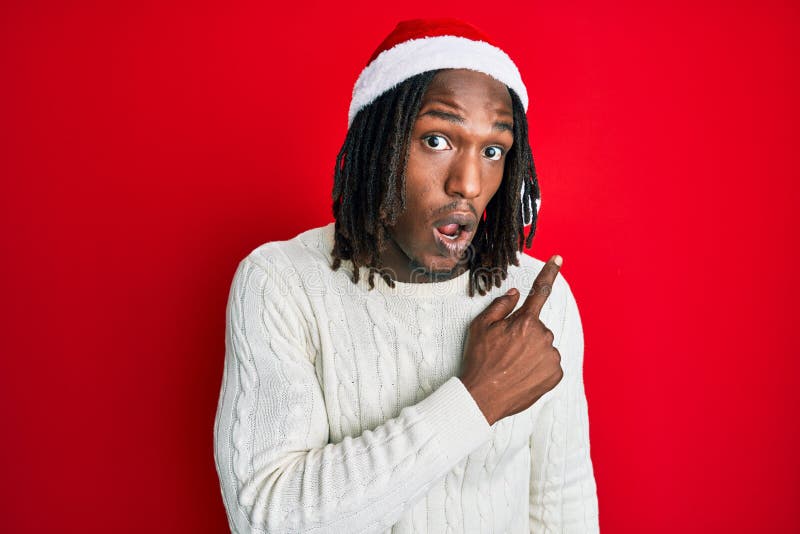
341,409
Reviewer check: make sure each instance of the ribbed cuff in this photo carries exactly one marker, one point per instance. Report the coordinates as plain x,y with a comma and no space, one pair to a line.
455,418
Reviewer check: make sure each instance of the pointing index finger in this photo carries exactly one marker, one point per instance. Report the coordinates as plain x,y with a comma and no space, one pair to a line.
542,286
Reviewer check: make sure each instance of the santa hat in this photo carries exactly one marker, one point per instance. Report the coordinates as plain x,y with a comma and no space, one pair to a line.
420,45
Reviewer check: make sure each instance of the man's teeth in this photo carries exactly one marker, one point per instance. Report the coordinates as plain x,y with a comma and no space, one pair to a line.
454,236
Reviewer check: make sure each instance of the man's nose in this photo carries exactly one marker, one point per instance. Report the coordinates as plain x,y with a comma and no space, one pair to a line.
464,177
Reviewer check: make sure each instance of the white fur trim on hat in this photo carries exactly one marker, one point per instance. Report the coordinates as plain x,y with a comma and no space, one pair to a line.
416,56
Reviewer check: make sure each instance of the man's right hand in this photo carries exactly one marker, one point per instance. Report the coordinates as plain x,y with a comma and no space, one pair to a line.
509,360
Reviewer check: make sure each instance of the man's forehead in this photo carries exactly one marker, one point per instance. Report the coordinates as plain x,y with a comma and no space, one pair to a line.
462,89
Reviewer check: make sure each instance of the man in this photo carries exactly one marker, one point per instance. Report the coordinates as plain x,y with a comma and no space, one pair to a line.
408,369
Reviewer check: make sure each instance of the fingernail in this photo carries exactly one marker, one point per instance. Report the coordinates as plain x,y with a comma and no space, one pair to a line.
512,291
558,260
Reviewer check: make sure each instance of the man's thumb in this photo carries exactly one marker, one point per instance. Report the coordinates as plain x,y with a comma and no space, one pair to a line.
500,307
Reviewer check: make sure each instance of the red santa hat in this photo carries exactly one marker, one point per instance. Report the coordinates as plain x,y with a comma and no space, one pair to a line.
420,45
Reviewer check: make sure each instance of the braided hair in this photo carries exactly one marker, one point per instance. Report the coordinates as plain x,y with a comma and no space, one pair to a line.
369,190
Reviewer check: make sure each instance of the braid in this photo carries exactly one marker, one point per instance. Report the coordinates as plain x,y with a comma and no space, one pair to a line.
369,180
369,190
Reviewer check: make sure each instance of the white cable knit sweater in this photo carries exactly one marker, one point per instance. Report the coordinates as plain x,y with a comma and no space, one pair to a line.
341,409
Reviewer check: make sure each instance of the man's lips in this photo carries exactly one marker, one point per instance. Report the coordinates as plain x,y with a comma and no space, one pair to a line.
454,232
466,222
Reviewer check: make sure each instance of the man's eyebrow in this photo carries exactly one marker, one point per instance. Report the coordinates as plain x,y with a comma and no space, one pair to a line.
445,115
458,119
503,126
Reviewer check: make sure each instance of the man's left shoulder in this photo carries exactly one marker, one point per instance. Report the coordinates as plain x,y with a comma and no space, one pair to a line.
526,272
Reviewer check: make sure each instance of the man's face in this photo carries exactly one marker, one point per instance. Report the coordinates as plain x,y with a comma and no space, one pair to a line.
458,149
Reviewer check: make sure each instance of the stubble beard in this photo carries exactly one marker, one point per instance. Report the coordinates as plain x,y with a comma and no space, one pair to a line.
422,273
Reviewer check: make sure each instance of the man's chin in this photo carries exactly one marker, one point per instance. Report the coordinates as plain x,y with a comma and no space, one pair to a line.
437,270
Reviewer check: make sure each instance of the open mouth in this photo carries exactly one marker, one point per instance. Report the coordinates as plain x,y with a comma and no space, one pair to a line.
453,239
451,231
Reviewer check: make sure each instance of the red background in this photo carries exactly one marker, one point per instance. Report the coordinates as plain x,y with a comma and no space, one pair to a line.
146,148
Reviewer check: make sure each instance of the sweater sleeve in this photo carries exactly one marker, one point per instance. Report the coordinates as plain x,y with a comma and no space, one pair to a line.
563,495
277,470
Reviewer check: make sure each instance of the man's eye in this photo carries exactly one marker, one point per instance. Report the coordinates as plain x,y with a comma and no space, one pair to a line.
493,152
436,142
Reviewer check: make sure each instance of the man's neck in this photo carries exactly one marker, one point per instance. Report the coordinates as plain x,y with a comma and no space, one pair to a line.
402,268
